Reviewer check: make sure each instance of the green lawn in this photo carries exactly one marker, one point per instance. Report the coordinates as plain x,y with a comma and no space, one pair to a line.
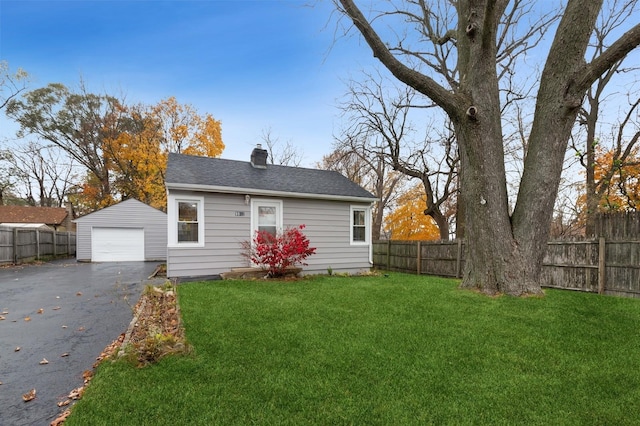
381,351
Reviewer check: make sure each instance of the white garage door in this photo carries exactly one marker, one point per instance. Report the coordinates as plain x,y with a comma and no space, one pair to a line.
117,244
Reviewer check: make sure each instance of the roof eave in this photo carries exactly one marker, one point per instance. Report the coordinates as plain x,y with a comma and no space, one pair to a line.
267,192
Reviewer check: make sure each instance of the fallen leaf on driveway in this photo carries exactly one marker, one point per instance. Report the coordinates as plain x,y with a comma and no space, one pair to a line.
29,396
60,420
40,310
1,318
79,293
56,308
27,318
44,361
81,328
64,354
5,312
17,349
76,393
64,403
0,383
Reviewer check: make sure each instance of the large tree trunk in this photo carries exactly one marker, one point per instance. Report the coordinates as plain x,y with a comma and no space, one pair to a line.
559,100
495,262
505,253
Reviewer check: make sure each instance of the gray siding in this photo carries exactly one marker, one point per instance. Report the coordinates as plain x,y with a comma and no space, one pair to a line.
127,214
327,227
223,233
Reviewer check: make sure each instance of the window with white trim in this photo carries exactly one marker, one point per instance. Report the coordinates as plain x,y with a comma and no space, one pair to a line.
359,233
186,221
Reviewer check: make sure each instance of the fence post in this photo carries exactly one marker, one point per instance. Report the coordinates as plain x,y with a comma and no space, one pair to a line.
459,258
419,259
55,244
601,265
15,245
37,244
68,243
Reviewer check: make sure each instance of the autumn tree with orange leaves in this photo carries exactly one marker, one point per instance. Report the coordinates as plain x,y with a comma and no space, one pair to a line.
617,180
408,221
139,155
123,149
611,167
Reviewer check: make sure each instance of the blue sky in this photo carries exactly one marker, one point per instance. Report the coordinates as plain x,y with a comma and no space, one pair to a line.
254,65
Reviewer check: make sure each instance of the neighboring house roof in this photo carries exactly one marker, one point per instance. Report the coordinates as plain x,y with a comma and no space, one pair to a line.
36,215
26,225
231,176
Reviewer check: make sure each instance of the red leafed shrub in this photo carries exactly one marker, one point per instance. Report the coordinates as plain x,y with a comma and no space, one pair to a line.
275,253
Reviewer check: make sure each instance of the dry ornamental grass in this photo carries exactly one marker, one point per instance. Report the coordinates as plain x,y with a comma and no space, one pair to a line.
156,331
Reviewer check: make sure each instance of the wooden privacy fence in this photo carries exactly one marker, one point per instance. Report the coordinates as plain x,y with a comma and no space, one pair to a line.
24,244
599,265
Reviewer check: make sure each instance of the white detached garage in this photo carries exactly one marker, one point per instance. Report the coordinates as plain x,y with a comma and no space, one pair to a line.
125,232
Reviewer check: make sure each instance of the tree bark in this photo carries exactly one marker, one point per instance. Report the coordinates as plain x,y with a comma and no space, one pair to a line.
557,107
492,253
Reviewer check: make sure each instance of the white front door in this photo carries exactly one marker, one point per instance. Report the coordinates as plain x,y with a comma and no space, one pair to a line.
266,215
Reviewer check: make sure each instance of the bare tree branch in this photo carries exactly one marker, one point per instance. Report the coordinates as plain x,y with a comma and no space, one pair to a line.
284,155
427,86
586,76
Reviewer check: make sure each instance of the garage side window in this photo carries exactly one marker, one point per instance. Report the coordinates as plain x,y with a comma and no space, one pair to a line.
186,221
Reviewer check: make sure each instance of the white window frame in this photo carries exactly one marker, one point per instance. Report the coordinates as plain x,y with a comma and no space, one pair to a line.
172,217
367,225
255,202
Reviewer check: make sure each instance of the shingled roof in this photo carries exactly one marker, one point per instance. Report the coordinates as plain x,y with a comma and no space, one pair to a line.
231,176
29,214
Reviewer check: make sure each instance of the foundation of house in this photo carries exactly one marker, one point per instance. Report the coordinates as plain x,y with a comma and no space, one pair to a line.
254,273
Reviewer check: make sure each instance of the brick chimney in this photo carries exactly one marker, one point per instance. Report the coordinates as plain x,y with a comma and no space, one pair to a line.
259,157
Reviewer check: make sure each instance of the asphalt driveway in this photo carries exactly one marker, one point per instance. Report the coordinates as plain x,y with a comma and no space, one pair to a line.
67,313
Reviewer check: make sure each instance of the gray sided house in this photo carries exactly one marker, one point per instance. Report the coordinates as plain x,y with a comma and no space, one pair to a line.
215,204
127,231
